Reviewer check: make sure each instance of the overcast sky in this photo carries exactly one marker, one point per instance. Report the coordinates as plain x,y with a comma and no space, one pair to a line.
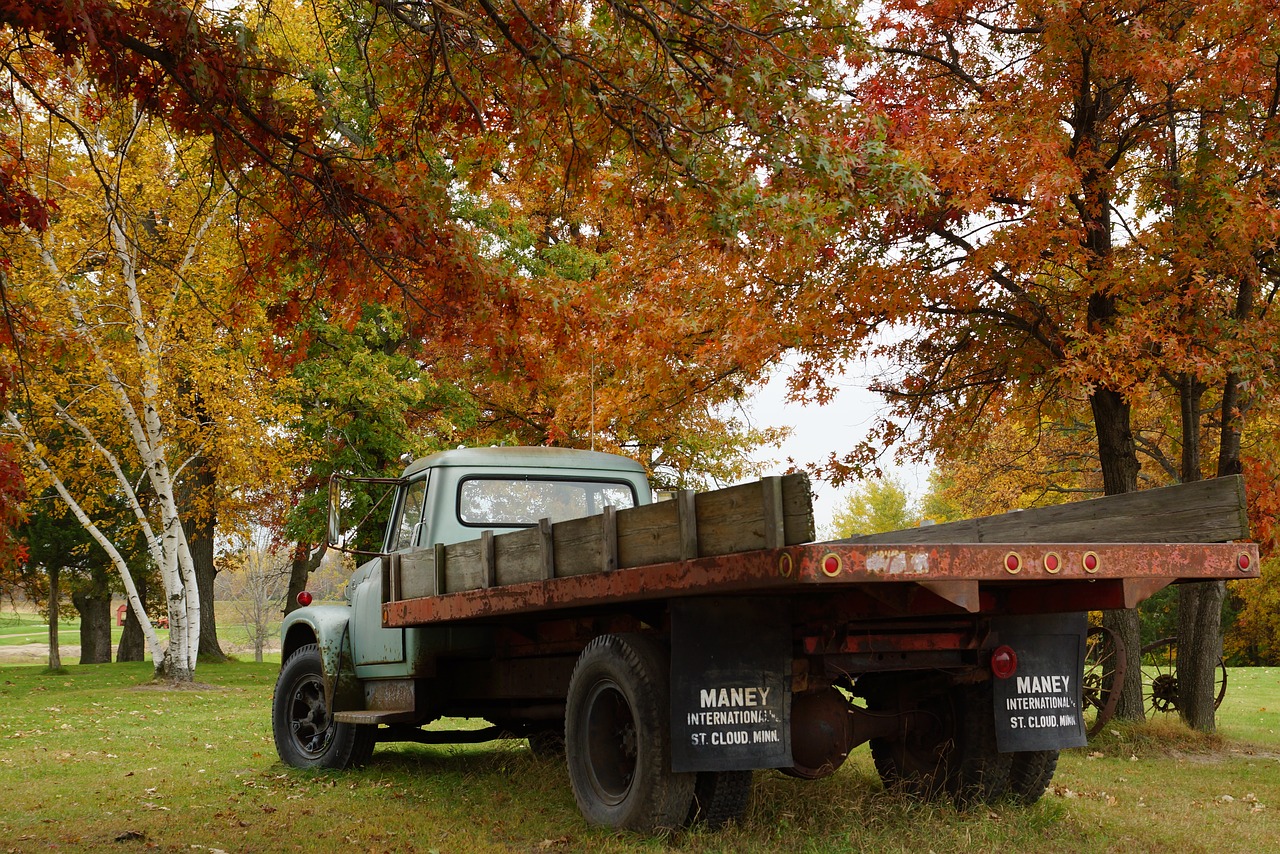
819,431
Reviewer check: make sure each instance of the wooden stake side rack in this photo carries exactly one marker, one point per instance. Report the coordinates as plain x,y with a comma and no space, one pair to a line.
756,538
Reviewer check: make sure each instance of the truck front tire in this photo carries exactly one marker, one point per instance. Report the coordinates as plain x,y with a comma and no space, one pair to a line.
618,737
305,733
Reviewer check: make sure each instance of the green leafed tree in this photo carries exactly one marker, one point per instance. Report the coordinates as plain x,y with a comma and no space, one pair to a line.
875,506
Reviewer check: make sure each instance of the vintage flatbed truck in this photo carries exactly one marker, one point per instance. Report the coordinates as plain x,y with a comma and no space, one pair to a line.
671,648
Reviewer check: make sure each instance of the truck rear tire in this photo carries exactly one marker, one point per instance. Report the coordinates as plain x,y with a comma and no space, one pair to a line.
981,770
1030,775
720,797
305,733
618,737
920,763
950,749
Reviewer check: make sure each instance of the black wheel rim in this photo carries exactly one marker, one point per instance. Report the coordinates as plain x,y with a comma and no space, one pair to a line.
309,723
611,743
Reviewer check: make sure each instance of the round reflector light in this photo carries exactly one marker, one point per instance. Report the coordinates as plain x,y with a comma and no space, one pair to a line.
1004,662
1090,562
1243,562
304,598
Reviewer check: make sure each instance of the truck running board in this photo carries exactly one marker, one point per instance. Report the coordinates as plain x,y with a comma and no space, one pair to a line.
377,716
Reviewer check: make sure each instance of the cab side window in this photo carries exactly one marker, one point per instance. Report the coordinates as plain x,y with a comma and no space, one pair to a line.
410,514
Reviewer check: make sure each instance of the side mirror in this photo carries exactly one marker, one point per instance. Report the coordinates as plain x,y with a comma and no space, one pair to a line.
339,532
333,537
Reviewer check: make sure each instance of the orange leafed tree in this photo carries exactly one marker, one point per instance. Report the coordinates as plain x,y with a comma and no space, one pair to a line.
1046,263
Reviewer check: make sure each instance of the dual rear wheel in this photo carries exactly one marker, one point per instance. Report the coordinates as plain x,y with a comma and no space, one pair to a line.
950,751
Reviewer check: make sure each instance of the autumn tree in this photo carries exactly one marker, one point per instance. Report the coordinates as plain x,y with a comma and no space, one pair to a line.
1038,126
876,505
365,397
254,582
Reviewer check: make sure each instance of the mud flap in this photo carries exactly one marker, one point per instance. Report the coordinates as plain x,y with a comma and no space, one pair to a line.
1038,707
730,684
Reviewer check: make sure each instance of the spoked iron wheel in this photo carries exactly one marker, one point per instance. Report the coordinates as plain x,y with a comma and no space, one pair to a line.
1160,676
1105,662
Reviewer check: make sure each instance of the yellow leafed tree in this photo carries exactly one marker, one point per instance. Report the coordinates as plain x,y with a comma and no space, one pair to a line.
136,347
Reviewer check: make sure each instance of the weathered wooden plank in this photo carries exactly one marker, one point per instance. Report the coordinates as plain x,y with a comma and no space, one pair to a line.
797,509
687,523
775,530
1207,511
648,534
578,546
464,569
417,575
734,519
488,567
546,539
609,539
518,557
439,565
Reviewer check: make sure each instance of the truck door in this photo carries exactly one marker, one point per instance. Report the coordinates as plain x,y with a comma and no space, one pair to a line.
371,643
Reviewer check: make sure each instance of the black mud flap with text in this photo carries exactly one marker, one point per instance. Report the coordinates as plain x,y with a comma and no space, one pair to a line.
730,685
1038,707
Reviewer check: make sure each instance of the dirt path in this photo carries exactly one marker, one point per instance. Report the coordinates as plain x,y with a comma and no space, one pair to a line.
38,653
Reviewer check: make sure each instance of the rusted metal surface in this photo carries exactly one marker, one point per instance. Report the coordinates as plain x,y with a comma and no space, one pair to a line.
1021,575
882,641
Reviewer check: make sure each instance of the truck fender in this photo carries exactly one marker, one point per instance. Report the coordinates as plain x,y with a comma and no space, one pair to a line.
327,626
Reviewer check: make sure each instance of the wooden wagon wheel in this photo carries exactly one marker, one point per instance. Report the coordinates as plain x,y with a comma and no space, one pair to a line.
1160,676
1105,662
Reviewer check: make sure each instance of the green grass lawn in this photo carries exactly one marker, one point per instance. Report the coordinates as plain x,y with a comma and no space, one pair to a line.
100,758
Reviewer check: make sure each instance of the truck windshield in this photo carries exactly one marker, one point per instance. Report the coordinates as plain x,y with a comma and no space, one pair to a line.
519,502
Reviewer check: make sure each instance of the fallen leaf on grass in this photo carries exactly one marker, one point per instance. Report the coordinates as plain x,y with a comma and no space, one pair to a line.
130,835
553,843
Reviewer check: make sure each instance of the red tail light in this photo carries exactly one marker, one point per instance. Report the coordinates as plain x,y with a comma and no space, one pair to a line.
1004,662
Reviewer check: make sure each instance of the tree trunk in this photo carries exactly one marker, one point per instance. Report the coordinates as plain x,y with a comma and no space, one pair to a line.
1199,651
55,653
93,601
1118,455
1200,603
200,517
304,563
133,643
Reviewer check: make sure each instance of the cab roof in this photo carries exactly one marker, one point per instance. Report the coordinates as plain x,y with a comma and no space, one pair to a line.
525,457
